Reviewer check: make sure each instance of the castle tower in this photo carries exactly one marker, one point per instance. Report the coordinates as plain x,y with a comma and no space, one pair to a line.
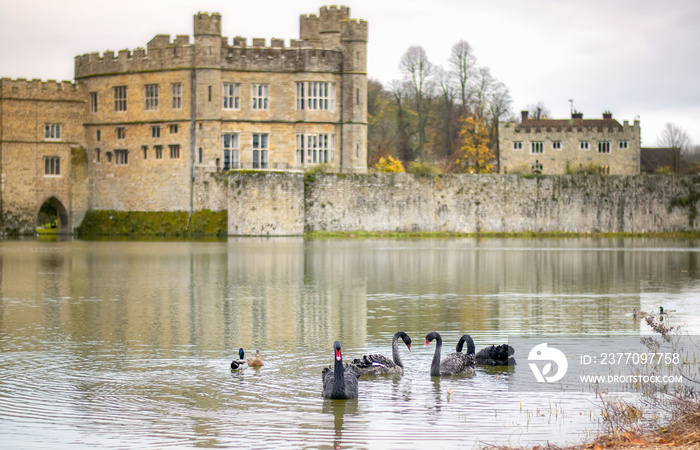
353,40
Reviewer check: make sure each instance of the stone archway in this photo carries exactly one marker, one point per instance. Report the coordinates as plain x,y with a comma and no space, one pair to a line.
53,210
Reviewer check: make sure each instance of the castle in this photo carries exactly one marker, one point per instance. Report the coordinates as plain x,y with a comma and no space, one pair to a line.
558,146
141,130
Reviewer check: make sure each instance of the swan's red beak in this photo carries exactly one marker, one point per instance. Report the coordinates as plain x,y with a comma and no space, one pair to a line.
426,343
409,347
337,355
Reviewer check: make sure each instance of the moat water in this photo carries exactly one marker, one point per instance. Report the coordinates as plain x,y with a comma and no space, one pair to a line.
128,344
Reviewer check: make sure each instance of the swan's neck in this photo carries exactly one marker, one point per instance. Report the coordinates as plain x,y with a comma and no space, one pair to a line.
395,351
470,346
435,366
339,376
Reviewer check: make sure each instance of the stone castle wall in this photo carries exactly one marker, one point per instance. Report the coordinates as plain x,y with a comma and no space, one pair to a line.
26,106
462,204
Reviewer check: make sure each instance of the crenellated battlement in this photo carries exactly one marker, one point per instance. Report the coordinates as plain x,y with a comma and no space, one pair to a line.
207,25
23,88
325,31
332,26
330,18
353,30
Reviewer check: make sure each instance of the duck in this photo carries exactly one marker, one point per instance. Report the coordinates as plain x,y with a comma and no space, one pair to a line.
636,313
453,364
340,382
255,361
380,364
665,311
240,363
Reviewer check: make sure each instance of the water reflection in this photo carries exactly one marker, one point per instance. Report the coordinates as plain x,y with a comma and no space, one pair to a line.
143,333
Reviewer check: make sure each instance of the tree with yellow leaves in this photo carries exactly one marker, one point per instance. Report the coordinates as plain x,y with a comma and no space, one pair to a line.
474,156
389,165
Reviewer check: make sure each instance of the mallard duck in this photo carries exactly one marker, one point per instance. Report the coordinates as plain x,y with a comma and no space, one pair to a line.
240,363
665,311
255,361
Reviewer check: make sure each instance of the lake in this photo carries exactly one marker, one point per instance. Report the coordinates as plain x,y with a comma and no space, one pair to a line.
128,343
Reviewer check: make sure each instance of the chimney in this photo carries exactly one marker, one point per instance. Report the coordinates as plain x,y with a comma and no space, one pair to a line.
577,115
607,115
523,114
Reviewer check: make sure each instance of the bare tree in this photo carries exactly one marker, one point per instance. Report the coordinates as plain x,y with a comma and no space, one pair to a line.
462,63
676,138
446,126
498,107
673,136
403,129
481,91
417,70
538,111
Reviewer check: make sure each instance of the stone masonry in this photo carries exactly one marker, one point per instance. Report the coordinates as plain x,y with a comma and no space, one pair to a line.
150,127
555,146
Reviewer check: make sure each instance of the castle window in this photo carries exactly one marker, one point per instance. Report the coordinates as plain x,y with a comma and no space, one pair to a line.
200,155
145,151
231,96
583,145
259,95
97,155
300,139
536,147
159,151
230,151
109,157
623,145
120,98
98,135
357,96
173,128
556,145
537,168
260,149
177,95
121,157
209,93
151,97
319,147
315,95
605,170
52,132
174,151
517,145
93,102
604,147
155,131
52,166
121,133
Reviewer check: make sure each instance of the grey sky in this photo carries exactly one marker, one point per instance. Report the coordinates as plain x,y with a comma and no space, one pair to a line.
632,57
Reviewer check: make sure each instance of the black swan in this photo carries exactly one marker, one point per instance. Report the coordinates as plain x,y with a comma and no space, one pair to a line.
339,382
255,361
453,364
239,363
380,364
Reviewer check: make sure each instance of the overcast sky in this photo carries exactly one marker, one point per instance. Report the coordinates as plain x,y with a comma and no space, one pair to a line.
636,58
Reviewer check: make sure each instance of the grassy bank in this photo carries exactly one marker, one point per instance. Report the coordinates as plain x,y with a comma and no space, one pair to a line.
156,223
